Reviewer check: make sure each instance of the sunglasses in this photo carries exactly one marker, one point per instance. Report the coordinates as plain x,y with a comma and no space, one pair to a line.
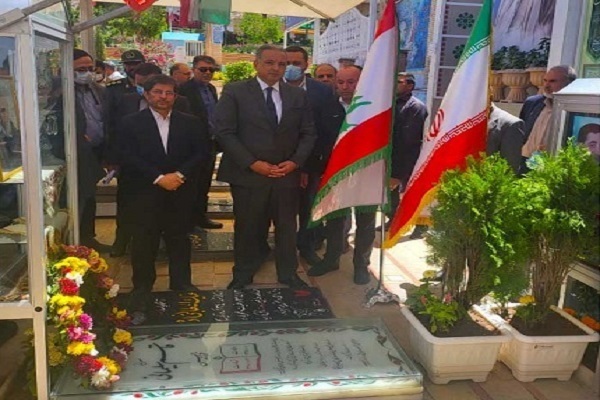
325,76
206,69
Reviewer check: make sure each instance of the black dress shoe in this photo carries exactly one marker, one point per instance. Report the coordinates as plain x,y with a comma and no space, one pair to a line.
138,300
184,288
323,267
209,224
238,283
96,245
361,276
311,258
118,250
294,282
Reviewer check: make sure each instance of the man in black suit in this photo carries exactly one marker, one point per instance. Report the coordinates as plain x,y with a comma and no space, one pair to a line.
323,105
161,151
131,103
202,96
266,131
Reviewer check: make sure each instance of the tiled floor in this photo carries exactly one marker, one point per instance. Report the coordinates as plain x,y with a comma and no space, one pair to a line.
403,266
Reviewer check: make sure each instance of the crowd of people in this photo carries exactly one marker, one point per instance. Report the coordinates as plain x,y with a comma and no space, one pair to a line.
159,134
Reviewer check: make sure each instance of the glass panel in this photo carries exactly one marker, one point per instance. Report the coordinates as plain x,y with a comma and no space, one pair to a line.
54,14
47,53
13,252
274,359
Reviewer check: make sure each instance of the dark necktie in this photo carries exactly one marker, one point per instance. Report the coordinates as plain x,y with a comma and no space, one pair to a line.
272,111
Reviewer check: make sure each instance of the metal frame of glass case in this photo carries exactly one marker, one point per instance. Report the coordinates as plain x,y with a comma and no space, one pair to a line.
33,306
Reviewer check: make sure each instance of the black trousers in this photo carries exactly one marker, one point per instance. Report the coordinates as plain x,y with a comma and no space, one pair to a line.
204,182
253,209
307,238
125,227
146,238
87,219
363,241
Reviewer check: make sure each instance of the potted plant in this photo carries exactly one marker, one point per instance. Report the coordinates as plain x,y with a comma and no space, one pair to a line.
537,60
498,59
514,75
562,221
479,240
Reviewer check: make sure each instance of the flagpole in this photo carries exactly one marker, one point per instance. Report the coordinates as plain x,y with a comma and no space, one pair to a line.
380,294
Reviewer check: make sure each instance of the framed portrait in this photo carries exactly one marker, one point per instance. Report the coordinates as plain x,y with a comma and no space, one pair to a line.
11,159
584,128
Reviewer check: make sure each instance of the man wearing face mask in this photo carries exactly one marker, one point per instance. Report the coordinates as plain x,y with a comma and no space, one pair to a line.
90,129
130,104
323,105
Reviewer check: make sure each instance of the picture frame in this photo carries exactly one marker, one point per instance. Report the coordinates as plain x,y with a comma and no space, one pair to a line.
585,129
11,160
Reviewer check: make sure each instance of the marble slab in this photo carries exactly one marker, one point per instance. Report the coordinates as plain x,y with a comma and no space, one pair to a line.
312,359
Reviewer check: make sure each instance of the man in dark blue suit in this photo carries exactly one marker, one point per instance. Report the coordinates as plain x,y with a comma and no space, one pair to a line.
323,104
537,110
161,153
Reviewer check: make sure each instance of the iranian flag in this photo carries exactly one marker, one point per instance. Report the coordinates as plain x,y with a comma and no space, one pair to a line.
357,168
458,130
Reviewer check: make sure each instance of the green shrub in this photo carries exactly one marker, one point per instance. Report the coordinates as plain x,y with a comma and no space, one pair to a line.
218,76
238,71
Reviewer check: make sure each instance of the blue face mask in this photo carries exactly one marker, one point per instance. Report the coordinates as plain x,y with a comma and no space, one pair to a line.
139,90
292,73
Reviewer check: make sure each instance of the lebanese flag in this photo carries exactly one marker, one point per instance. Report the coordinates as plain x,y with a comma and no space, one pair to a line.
356,174
459,129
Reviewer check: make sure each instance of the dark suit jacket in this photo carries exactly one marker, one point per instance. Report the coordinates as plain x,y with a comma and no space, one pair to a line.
246,134
505,136
532,107
130,104
409,116
191,92
324,107
143,159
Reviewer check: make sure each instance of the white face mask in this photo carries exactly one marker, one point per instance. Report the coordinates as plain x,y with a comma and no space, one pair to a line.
99,77
83,78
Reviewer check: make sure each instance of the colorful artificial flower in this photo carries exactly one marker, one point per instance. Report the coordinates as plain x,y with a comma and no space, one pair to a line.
85,321
122,336
113,292
527,299
87,365
59,300
79,348
110,365
68,286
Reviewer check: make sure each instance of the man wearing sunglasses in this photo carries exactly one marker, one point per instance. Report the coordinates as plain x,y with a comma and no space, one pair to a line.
202,96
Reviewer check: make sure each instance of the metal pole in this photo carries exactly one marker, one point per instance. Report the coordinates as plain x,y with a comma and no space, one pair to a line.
372,19
88,44
316,39
119,12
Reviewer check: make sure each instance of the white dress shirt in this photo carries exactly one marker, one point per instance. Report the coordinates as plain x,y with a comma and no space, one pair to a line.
275,95
163,126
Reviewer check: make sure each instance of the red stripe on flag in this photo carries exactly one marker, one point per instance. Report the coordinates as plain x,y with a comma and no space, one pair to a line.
388,19
363,140
452,154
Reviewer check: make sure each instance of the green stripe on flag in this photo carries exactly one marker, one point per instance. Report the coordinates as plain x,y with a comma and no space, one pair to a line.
481,34
216,12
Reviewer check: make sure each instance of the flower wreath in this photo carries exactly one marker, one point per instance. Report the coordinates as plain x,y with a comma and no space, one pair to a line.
81,294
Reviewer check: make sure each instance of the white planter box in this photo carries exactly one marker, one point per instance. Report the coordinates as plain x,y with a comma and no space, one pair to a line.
534,357
447,359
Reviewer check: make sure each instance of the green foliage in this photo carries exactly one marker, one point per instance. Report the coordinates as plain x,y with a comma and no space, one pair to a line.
499,58
240,48
538,57
479,234
130,29
442,313
238,71
509,58
564,202
259,29
218,76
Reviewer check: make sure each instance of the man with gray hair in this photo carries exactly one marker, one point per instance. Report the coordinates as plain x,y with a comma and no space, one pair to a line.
537,110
